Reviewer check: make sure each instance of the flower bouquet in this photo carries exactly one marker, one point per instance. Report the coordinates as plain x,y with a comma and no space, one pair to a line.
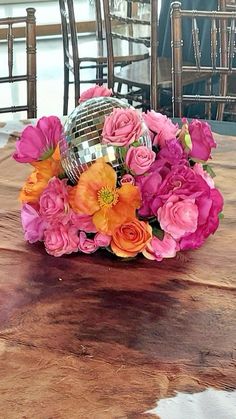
161,200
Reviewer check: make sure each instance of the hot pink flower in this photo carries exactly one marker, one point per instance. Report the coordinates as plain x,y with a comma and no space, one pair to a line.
208,220
95,91
61,239
202,140
38,142
54,201
127,179
122,127
33,224
178,217
160,127
87,245
139,159
159,249
102,240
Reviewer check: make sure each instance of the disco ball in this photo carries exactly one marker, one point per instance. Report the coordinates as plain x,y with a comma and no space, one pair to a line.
81,143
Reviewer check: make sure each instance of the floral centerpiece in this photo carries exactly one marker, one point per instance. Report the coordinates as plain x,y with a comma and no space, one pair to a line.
163,199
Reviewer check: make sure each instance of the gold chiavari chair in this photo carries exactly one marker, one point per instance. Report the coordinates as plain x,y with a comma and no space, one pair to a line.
222,54
9,29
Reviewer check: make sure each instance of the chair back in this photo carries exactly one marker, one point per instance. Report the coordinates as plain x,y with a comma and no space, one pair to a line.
72,58
9,27
221,44
133,22
70,49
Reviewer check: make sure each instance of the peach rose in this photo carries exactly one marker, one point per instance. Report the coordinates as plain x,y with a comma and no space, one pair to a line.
33,187
38,180
131,238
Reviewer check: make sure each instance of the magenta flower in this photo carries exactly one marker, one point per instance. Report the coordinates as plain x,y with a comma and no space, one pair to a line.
158,249
61,239
122,127
38,142
139,159
161,127
173,153
202,140
95,91
208,220
33,224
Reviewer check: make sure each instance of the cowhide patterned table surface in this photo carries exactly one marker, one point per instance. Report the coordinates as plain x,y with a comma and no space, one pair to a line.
94,337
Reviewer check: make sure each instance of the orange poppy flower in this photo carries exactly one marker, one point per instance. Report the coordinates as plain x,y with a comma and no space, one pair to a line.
96,195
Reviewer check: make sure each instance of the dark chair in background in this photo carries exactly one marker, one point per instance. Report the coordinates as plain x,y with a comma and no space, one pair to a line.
89,55
227,81
221,42
128,26
8,27
82,56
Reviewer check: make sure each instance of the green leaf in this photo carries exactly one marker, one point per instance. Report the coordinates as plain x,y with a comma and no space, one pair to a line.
221,216
158,233
122,151
209,170
135,144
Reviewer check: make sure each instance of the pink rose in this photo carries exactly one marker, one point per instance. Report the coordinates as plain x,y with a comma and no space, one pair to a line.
139,159
54,201
33,225
87,245
38,142
122,127
102,240
83,222
178,217
198,168
61,239
95,91
161,128
159,249
202,140
127,179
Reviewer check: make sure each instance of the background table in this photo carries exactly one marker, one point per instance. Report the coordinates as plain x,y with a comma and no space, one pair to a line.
95,337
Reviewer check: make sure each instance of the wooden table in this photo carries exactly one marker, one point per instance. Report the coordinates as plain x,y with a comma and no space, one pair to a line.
95,337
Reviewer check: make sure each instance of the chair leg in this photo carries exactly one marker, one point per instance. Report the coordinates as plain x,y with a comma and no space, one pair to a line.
99,74
66,91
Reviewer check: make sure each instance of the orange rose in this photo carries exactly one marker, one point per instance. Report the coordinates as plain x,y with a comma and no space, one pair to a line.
131,238
38,180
